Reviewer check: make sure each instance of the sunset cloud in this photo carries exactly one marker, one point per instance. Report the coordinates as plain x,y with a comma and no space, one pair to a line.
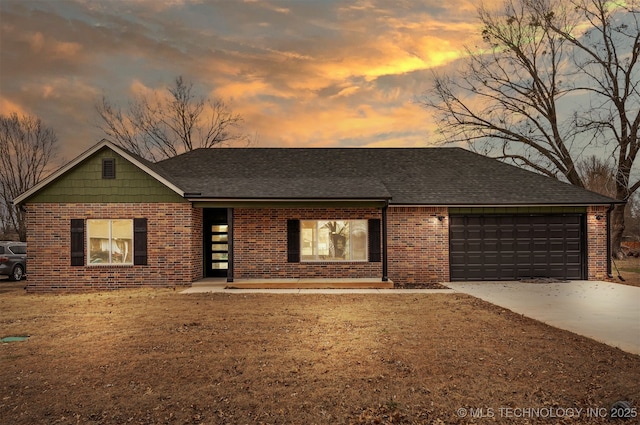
309,73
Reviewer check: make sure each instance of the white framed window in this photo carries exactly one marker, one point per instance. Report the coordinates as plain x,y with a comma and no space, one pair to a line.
109,241
333,240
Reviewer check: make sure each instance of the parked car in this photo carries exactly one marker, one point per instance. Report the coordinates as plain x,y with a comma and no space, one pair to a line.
13,259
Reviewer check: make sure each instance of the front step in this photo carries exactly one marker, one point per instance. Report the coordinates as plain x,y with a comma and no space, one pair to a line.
362,283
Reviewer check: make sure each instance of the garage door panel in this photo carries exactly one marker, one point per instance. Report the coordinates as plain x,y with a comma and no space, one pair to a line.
555,233
556,245
508,245
572,233
538,245
572,246
507,258
557,258
540,220
490,259
474,259
522,232
573,258
540,233
492,245
574,219
474,246
474,234
495,247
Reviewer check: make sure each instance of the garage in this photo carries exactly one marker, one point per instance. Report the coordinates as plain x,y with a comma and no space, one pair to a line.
517,246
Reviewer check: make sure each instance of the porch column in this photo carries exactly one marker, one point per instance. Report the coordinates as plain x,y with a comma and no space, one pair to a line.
230,244
385,273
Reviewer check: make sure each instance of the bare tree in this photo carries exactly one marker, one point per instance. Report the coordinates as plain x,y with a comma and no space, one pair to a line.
598,175
632,219
27,148
159,127
558,76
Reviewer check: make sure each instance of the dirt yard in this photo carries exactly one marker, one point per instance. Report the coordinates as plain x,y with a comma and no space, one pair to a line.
160,357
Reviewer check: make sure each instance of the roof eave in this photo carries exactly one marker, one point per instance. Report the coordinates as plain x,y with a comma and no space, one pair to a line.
349,199
507,205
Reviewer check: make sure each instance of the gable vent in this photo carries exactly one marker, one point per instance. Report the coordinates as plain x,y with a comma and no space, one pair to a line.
108,168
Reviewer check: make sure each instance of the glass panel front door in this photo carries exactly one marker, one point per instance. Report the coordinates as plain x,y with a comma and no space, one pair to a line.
216,241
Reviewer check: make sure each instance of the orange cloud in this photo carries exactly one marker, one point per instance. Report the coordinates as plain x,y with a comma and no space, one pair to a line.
8,107
36,42
54,48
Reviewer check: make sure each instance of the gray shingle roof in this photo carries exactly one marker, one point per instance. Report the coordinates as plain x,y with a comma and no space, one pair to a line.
412,176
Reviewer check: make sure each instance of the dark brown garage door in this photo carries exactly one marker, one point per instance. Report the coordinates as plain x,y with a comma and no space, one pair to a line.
509,247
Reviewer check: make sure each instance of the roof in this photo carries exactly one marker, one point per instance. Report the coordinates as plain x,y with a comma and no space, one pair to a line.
403,176
400,176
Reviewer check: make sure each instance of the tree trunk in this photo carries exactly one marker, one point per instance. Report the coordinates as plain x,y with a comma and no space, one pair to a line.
617,229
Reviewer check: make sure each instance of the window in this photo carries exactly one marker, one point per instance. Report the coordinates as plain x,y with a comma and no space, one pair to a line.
18,249
333,240
110,241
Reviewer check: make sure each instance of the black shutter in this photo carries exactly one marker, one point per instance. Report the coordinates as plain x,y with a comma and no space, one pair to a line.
375,255
293,241
140,241
77,242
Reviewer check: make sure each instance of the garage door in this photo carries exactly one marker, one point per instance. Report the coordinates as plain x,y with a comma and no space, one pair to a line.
509,247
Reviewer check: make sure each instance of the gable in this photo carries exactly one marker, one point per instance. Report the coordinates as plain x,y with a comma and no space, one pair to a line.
84,183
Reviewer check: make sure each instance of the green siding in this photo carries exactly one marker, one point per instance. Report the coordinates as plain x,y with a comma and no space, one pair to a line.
520,210
84,183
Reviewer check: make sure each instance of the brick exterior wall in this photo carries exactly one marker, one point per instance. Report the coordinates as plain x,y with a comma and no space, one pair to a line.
174,247
260,244
597,243
418,245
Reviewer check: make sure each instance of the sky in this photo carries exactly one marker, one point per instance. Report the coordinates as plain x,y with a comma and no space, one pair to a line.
301,73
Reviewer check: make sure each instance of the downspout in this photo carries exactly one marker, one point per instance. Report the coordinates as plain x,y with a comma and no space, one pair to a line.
609,273
230,244
385,272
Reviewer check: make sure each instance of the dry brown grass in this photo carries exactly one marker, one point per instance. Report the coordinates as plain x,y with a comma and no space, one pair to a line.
629,269
156,356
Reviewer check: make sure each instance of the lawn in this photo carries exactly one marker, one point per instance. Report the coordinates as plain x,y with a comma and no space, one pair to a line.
157,356
628,269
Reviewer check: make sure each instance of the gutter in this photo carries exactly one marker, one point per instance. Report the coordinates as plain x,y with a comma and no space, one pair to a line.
609,210
527,205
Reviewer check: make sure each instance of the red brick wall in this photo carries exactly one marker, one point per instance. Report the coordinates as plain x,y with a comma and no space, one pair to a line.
197,244
260,244
597,242
418,245
174,246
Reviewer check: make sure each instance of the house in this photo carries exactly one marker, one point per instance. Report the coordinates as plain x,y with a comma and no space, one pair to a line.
110,219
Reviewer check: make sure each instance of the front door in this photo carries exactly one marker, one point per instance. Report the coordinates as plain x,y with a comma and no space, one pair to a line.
216,242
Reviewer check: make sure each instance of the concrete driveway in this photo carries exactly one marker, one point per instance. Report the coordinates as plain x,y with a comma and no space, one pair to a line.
606,312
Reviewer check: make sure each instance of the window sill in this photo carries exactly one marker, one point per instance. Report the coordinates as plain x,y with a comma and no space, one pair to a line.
333,261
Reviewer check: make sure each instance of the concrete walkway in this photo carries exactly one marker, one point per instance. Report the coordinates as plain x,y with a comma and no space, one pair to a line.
606,312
